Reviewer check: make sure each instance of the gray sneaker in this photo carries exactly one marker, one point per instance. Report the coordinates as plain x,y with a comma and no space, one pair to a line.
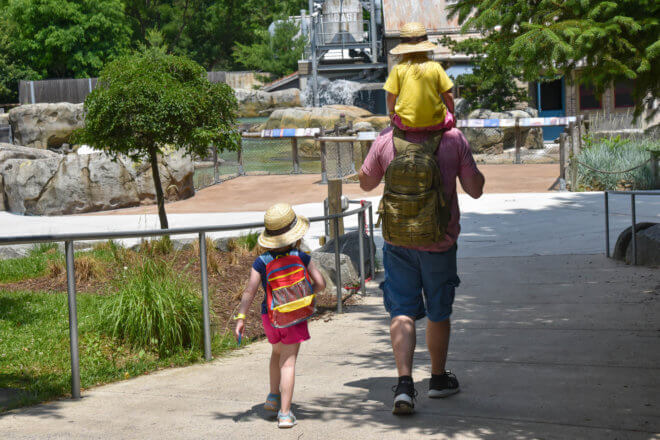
404,398
443,385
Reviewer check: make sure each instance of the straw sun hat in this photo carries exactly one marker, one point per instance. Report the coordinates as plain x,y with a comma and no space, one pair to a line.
413,39
283,227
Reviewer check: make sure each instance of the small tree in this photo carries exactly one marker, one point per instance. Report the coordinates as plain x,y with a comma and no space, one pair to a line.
150,100
611,41
277,54
492,83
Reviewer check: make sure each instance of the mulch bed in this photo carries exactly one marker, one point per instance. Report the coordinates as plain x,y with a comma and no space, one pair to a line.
227,274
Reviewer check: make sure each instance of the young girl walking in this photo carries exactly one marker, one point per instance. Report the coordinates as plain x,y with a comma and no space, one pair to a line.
281,239
418,89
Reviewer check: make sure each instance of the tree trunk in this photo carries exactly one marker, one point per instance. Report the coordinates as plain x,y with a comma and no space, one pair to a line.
153,158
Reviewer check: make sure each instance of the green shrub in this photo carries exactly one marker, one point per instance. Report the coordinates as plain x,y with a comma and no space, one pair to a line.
249,240
154,307
611,155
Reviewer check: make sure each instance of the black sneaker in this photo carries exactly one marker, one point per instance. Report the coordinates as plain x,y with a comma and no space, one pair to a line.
443,385
404,398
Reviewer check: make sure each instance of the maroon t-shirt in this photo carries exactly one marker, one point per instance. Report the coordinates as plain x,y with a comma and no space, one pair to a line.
454,158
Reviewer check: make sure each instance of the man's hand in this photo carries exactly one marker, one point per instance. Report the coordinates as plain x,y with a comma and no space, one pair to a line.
367,183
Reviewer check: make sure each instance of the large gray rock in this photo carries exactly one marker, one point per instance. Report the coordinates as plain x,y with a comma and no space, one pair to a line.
10,151
647,247
623,241
252,103
495,140
71,184
349,245
325,262
45,125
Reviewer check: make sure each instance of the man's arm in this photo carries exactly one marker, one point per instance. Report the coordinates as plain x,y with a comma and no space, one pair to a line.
448,98
367,183
474,184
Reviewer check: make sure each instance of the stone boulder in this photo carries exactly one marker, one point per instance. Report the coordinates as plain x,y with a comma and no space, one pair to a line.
253,103
45,125
71,184
623,241
647,247
315,117
496,140
325,262
349,245
10,151
321,117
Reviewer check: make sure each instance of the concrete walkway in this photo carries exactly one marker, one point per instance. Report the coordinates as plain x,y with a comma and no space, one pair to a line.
494,225
553,347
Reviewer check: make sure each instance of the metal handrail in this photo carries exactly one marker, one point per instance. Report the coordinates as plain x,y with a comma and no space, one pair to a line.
633,213
69,239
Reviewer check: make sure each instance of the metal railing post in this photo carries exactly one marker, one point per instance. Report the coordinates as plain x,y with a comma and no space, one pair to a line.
607,225
239,158
361,235
294,155
338,267
634,232
372,250
205,296
73,320
324,168
216,170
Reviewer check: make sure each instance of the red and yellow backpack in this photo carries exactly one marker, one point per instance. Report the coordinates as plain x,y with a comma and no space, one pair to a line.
289,294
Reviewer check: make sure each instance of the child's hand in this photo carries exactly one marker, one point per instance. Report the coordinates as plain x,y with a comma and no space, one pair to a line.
240,328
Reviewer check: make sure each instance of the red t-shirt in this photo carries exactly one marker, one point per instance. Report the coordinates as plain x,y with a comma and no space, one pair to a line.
454,158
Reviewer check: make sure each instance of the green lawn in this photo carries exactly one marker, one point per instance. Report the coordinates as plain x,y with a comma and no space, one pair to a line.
34,336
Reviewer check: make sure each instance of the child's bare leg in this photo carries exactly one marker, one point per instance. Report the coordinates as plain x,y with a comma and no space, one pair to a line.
275,368
288,357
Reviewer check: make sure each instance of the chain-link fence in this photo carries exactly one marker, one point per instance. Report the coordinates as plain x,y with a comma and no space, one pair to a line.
281,156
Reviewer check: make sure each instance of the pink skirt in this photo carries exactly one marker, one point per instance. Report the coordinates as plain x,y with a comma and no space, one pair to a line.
448,123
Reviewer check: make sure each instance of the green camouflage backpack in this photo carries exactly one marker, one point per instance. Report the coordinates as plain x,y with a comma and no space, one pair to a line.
413,208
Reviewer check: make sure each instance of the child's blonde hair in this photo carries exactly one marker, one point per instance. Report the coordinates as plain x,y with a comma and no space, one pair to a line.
416,62
287,247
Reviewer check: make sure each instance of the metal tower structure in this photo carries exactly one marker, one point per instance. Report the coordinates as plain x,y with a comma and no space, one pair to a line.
338,26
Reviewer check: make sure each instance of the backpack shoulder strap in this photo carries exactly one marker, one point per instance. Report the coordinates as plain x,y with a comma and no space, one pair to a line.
401,144
266,258
432,144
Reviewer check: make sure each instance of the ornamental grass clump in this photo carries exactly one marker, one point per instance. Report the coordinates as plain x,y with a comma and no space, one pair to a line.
154,307
612,155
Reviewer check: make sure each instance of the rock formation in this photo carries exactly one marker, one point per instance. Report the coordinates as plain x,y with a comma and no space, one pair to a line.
45,125
38,182
253,103
495,140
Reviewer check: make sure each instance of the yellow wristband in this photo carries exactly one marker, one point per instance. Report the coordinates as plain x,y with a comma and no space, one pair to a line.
239,316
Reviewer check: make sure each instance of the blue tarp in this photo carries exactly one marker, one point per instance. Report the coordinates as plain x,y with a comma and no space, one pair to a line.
459,69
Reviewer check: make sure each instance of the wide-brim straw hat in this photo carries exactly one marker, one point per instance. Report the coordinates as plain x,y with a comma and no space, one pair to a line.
283,227
414,39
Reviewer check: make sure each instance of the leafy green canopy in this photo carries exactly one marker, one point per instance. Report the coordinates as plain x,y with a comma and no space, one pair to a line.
60,38
207,30
277,54
492,83
613,41
149,100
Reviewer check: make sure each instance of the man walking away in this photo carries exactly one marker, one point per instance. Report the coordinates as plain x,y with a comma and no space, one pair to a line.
420,216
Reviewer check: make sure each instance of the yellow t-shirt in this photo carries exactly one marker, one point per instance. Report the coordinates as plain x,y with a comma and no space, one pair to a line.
418,86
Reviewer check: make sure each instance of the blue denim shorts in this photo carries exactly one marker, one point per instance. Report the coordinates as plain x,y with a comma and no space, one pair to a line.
419,283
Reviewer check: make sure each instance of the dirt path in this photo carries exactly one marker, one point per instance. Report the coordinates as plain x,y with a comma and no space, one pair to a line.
256,193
